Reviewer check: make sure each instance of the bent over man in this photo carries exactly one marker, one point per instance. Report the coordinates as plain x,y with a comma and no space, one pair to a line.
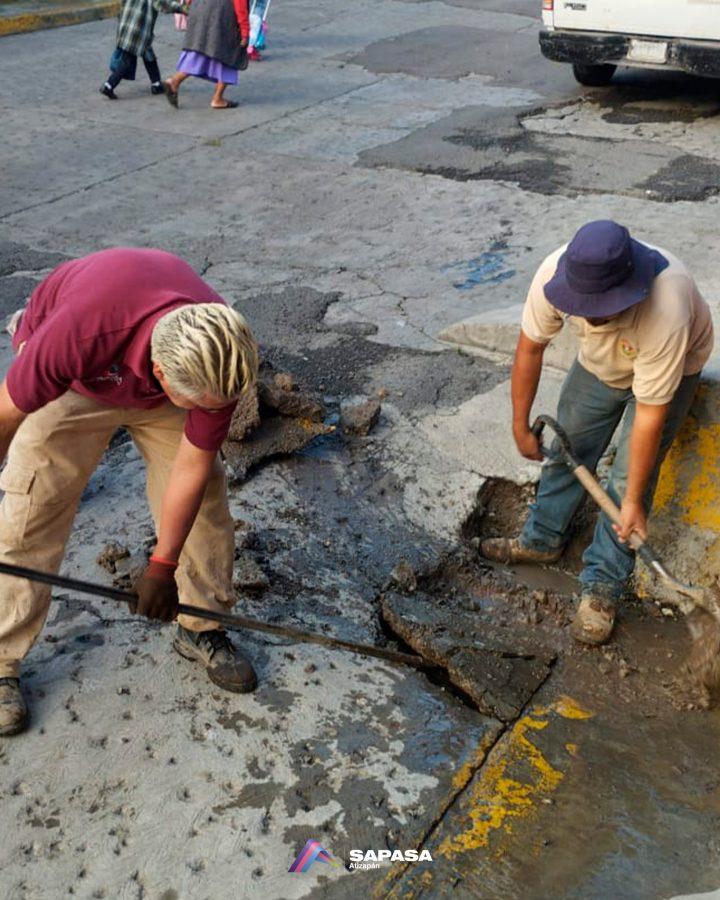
645,333
134,339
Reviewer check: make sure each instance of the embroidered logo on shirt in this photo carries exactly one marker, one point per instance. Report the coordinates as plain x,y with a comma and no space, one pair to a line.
112,374
627,349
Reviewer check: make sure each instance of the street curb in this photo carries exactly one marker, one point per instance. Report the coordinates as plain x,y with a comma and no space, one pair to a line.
71,15
686,521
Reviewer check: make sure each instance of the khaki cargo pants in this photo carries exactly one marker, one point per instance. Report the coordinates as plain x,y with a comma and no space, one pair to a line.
51,458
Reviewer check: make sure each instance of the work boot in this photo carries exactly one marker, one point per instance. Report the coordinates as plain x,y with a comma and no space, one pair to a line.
594,620
225,665
13,709
510,550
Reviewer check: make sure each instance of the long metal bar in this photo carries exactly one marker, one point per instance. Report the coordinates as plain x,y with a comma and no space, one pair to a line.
228,620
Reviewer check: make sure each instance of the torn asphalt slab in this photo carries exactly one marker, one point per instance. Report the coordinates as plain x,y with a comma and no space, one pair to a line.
498,671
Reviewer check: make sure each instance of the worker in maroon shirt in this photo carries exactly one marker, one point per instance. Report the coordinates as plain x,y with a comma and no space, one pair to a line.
134,339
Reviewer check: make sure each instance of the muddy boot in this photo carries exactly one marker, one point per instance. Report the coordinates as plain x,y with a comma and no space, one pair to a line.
13,709
510,550
594,620
226,666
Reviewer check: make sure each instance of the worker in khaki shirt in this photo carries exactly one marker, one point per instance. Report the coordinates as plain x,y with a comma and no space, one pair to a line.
644,333
134,339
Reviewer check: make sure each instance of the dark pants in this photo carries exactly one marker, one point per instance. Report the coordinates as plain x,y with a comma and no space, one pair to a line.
124,65
590,411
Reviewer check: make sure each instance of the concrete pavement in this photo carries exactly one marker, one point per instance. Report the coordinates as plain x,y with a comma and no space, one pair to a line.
393,169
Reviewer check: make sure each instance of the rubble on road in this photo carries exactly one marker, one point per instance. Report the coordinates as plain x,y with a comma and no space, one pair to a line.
248,576
404,577
275,419
497,671
111,554
360,418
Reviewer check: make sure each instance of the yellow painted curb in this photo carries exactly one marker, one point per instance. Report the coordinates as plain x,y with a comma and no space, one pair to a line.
685,526
55,18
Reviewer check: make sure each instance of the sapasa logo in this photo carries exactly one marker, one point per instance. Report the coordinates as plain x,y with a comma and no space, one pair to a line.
628,350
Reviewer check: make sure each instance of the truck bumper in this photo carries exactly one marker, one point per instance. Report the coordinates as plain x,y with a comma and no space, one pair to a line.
595,48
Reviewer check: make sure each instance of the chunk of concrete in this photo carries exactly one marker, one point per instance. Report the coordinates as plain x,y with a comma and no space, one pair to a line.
274,419
288,402
276,436
360,418
497,671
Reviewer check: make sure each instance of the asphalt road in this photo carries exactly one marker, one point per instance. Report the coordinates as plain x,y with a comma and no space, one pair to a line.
393,169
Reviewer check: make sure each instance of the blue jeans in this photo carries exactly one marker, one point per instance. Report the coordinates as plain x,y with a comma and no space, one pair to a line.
590,411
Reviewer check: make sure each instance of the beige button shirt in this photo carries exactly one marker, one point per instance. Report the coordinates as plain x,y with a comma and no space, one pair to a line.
649,347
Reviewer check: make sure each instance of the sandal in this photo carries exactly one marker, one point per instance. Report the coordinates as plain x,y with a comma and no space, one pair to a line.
229,104
171,95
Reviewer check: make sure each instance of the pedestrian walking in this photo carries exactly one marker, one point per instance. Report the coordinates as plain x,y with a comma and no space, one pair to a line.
645,333
136,26
258,29
134,339
215,48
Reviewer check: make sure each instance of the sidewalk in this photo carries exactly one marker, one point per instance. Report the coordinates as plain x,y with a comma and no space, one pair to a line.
17,16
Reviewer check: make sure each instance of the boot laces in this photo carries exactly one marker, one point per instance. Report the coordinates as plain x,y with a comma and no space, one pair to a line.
218,640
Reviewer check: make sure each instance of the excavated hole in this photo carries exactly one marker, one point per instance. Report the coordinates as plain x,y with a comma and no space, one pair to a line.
502,507
500,510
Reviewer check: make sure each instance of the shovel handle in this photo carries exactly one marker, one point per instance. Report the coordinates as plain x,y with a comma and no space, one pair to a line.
688,597
592,486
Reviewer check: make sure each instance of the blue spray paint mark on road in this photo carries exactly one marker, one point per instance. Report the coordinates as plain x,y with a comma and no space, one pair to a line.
488,268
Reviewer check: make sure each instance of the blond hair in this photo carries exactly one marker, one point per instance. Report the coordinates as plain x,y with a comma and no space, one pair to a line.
206,348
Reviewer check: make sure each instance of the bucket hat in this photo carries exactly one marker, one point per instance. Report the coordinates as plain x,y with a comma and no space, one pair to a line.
603,272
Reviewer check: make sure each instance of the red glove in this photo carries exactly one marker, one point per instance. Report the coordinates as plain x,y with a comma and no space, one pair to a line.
157,594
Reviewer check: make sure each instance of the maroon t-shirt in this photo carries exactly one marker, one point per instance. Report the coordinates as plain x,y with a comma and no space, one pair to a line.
88,327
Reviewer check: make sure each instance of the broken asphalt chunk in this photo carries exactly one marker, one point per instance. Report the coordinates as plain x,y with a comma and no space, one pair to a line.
274,419
496,670
360,418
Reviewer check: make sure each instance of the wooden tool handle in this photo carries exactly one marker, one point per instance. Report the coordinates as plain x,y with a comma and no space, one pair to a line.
605,502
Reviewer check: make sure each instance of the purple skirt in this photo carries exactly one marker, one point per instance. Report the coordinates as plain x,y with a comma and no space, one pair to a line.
193,63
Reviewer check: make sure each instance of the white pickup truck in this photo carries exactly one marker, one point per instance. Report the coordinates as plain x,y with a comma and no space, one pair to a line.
597,36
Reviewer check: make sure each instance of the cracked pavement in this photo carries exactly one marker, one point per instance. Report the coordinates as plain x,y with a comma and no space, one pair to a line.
393,169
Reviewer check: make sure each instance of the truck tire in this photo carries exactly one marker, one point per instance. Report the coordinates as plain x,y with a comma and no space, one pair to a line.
593,76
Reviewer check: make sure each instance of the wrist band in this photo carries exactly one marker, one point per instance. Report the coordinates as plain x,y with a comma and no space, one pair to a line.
164,562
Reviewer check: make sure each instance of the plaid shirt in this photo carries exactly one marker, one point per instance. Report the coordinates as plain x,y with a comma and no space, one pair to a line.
137,21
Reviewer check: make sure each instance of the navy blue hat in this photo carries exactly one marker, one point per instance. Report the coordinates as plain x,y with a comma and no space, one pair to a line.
603,272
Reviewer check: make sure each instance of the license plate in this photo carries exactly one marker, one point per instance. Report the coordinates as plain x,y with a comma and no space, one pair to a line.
648,51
